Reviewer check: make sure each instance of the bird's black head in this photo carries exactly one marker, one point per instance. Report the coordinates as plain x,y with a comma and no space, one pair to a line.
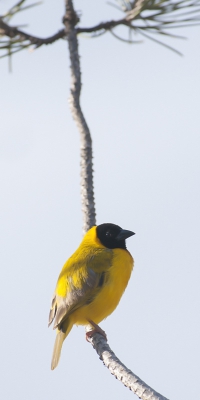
112,236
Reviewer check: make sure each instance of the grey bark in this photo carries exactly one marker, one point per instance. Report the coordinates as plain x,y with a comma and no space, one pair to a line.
120,371
87,187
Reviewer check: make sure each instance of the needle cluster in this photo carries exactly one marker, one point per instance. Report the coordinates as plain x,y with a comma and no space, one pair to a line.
148,18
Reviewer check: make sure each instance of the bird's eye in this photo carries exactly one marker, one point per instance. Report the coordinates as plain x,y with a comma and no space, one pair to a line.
108,234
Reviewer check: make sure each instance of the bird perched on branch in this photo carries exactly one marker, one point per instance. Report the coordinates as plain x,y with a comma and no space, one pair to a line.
91,282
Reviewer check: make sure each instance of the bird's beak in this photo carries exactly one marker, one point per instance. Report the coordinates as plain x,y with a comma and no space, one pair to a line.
124,234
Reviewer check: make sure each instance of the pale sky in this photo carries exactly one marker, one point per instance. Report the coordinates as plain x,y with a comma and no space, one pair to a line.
142,104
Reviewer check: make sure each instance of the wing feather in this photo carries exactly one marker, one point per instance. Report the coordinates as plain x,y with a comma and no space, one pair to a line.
82,281
53,310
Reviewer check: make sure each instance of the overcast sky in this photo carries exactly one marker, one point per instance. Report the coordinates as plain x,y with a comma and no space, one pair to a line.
142,104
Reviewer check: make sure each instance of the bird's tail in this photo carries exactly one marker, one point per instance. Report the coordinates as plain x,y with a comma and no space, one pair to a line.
60,337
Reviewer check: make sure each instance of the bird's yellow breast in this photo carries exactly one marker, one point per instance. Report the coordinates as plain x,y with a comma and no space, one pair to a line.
116,266
107,299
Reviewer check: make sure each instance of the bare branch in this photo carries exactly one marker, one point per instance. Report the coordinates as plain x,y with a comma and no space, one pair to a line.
87,191
121,372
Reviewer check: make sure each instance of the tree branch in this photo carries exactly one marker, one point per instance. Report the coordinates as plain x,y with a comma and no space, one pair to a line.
140,16
156,11
152,16
107,26
13,32
87,191
121,372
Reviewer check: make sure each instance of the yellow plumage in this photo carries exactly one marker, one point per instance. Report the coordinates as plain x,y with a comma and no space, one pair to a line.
91,281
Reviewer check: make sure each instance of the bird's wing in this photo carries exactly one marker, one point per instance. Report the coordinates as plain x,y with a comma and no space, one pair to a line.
82,280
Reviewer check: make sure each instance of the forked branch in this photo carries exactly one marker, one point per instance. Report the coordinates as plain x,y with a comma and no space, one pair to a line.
145,17
152,16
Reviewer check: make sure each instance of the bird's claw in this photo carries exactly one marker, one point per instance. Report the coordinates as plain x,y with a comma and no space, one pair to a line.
96,329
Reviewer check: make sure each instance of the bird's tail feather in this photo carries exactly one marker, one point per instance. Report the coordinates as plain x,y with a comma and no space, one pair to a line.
60,337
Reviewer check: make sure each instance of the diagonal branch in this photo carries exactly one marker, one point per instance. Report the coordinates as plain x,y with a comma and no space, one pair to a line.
121,372
107,26
13,32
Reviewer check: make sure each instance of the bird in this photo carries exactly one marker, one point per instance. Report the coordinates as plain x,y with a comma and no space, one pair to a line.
91,283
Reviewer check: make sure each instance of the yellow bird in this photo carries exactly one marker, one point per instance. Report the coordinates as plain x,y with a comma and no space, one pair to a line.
91,282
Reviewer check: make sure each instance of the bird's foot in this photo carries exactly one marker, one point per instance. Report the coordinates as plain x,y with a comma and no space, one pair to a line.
96,329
